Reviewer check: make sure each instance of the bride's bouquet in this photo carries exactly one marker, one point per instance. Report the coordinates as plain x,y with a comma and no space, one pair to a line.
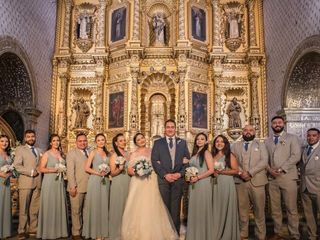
191,172
9,168
104,168
142,168
61,170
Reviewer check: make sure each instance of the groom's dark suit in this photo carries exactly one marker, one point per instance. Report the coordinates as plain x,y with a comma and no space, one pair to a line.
163,164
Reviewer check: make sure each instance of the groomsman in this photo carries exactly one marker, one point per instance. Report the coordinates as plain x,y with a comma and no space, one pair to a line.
167,160
77,182
26,162
284,153
252,158
310,181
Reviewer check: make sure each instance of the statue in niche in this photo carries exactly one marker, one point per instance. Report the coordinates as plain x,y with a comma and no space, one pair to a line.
234,25
82,113
84,27
159,30
233,112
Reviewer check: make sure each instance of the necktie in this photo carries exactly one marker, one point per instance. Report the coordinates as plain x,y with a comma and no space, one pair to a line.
246,146
34,151
85,153
171,142
276,140
309,150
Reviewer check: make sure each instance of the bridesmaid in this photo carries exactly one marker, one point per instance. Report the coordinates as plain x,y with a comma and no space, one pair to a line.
200,218
52,219
225,209
96,216
5,195
119,186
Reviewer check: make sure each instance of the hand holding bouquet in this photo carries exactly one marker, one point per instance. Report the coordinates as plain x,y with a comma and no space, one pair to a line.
104,169
219,166
191,172
142,168
61,170
9,169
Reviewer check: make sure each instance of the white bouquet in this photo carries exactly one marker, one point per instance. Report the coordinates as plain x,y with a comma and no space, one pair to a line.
9,168
120,161
104,168
13,150
191,172
142,168
61,170
219,166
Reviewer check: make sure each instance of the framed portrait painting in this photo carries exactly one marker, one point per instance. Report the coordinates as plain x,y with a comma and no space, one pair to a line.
199,110
198,24
116,110
118,24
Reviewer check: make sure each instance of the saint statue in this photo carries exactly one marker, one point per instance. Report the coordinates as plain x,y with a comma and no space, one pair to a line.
159,26
233,111
82,24
82,113
234,28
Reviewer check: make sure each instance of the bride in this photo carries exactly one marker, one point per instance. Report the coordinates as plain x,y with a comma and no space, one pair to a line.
145,216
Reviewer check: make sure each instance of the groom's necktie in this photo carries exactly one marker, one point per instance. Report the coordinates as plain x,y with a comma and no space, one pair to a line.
246,146
309,150
34,151
85,152
171,142
276,139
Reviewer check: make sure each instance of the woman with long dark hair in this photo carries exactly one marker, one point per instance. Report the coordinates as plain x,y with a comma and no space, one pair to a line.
119,186
225,208
96,216
200,218
5,194
52,218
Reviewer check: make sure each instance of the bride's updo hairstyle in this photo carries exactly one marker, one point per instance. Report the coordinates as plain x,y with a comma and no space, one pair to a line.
135,137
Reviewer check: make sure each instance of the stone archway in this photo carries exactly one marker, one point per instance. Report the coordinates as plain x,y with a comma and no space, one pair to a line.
18,98
302,90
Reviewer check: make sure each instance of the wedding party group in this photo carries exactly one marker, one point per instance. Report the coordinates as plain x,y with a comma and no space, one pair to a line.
119,195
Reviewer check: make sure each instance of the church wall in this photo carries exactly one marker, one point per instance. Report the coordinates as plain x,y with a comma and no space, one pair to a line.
287,24
32,25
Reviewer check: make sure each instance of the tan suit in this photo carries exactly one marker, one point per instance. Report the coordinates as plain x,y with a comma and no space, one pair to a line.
285,155
29,187
255,161
310,189
77,178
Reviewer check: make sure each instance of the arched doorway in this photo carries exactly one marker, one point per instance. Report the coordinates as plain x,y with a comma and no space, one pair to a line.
15,121
302,92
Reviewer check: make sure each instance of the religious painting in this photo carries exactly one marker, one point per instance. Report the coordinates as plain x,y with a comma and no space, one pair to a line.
199,110
118,24
116,110
198,23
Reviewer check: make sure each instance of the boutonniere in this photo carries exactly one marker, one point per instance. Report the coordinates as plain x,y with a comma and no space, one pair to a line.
256,149
178,141
282,142
316,158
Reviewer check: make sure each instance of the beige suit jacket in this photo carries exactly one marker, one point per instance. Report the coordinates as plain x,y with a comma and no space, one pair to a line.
76,174
25,162
257,159
310,171
285,155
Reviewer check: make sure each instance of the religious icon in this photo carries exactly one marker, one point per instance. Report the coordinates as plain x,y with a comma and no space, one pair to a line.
159,30
118,24
82,113
233,28
84,27
199,110
116,110
233,111
198,23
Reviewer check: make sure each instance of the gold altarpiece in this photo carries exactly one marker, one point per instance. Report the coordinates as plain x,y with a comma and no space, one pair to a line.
129,65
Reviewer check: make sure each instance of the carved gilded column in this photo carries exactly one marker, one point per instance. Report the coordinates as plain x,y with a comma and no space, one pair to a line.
62,114
99,104
252,27
217,44
182,35
217,121
255,118
136,21
101,24
66,27
182,67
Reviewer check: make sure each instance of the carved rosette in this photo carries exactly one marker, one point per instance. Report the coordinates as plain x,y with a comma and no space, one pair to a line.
66,26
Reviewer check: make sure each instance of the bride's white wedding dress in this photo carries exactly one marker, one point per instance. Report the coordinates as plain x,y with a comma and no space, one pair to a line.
145,216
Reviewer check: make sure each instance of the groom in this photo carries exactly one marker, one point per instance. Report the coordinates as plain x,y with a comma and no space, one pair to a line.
167,161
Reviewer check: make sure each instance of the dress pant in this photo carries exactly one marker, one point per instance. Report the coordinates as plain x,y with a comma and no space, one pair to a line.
288,189
77,205
257,196
29,202
171,194
311,207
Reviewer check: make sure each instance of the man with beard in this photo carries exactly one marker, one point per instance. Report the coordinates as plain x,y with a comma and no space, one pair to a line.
26,162
252,158
284,153
310,181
